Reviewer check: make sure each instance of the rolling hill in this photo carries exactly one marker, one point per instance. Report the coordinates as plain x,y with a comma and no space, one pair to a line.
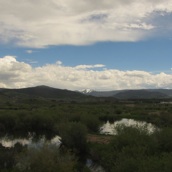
41,92
140,94
134,94
61,94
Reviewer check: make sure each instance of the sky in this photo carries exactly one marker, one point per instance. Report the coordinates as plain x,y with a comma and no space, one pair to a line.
76,45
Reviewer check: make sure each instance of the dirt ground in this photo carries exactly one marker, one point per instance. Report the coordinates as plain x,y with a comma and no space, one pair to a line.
98,138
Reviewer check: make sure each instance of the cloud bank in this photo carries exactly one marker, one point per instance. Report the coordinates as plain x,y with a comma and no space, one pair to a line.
15,74
43,23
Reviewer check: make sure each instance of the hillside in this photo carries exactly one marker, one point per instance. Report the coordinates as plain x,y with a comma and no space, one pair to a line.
134,94
61,94
41,92
101,93
140,94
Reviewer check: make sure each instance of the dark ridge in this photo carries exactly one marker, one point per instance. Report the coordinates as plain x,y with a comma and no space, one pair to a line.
55,93
42,91
140,94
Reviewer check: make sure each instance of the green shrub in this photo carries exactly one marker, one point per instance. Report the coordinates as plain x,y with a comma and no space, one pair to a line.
45,159
74,136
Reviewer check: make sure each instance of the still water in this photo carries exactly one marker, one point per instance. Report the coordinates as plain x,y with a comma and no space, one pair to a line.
111,128
30,141
107,128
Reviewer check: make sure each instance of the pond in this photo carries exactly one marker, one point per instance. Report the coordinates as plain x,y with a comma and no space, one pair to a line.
111,128
108,129
94,167
31,140
34,141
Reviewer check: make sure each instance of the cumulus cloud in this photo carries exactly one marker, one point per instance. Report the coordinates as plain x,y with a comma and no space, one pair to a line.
58,63
55,22
89,66
15,74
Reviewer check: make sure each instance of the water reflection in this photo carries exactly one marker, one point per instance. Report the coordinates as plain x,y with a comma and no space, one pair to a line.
111,128
93,166
30,141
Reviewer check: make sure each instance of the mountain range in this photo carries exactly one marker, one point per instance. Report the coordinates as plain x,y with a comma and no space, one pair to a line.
40,92
54,93
132,94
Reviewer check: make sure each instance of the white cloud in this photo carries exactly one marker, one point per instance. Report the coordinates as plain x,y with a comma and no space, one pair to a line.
15,74
30,61
58,63
29,51
89,66
42,23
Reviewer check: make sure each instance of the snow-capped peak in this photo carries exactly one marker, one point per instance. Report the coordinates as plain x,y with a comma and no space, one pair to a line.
86,91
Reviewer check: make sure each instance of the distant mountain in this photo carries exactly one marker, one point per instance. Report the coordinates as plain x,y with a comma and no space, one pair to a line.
60,94
133,94
99,93
86,91
165,91
140,94
41,91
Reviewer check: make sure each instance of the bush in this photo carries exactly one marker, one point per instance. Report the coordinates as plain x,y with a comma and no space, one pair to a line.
74,136
92,123
45,159
135,150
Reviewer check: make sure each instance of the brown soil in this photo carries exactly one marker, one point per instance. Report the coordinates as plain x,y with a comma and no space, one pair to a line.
98,138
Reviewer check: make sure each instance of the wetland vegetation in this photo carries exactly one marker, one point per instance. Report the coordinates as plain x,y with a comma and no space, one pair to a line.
78,124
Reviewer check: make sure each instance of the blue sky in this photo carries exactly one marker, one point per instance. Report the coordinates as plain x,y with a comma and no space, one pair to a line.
151,55
77,45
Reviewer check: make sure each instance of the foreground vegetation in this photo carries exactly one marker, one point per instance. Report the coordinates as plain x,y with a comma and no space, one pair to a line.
131,150
134,150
